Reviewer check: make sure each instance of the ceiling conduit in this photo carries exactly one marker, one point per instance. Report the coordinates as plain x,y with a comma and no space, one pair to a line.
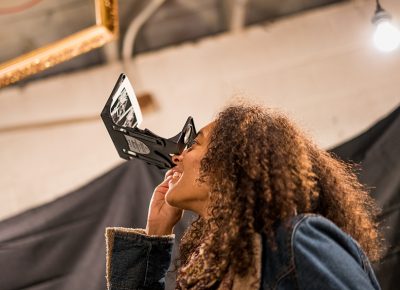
128,43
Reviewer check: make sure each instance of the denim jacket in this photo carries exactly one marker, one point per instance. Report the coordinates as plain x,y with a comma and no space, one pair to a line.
311,253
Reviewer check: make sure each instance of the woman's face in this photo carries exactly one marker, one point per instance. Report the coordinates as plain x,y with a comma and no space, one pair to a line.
185,190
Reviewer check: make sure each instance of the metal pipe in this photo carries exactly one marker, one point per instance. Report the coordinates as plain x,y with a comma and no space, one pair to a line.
236,14
128,43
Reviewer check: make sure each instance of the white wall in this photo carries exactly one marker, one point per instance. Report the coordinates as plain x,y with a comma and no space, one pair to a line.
319,66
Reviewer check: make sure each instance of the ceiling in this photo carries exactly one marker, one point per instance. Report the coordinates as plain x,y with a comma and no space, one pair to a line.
33,23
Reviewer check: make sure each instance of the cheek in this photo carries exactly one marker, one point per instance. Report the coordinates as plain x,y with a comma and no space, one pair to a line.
197,188
191,169
188,187
187,190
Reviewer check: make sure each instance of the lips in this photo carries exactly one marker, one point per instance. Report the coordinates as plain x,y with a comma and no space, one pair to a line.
175,177
177,172
177,169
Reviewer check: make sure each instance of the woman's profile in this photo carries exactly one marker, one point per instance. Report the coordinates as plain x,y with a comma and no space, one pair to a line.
274,212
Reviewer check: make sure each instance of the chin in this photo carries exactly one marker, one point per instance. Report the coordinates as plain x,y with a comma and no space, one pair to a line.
172,198
169,199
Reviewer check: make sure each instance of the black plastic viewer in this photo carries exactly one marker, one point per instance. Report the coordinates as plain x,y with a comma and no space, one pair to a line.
122,115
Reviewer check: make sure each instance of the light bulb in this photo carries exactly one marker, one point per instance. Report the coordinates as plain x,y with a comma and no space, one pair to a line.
387,36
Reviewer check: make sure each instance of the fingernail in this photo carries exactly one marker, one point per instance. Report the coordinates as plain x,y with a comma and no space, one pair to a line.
176,174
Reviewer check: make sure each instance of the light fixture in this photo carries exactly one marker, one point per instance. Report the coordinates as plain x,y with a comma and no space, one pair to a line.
386,36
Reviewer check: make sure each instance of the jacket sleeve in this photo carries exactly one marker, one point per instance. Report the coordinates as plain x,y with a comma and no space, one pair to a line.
327,258
135,260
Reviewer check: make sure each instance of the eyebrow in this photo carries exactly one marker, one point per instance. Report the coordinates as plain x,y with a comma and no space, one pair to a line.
200,133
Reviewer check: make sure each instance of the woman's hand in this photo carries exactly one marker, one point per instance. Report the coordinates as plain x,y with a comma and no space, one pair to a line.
162,217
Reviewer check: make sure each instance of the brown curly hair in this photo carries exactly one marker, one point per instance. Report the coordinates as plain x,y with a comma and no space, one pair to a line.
262,169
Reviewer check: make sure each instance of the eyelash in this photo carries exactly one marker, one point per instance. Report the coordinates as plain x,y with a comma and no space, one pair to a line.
189,146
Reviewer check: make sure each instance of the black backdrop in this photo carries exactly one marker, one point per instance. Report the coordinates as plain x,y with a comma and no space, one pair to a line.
60,245
378,152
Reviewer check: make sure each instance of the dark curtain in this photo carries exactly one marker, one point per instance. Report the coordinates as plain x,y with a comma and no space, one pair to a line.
378,152
60,245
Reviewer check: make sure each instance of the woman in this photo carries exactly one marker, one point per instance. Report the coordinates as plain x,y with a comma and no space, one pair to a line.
274,212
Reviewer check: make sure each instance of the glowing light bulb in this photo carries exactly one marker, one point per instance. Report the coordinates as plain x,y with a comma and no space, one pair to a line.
387,36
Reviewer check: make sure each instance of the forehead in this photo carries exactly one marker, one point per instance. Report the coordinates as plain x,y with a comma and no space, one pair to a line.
205,131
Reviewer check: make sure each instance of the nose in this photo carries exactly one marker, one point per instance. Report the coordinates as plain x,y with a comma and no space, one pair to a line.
176,159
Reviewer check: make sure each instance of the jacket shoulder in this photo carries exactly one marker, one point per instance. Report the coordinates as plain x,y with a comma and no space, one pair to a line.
311,252
326,257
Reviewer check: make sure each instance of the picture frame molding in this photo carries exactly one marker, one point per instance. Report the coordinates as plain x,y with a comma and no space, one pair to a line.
105,30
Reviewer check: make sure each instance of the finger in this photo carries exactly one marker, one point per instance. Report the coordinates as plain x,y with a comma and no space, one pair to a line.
175,177
165,182
169,173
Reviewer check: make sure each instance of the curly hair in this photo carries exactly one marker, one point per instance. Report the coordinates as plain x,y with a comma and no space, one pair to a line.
262,169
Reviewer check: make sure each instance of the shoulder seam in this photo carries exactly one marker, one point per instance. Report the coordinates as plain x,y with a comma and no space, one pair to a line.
295,228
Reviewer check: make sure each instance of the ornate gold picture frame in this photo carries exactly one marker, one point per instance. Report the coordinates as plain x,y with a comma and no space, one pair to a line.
105,30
